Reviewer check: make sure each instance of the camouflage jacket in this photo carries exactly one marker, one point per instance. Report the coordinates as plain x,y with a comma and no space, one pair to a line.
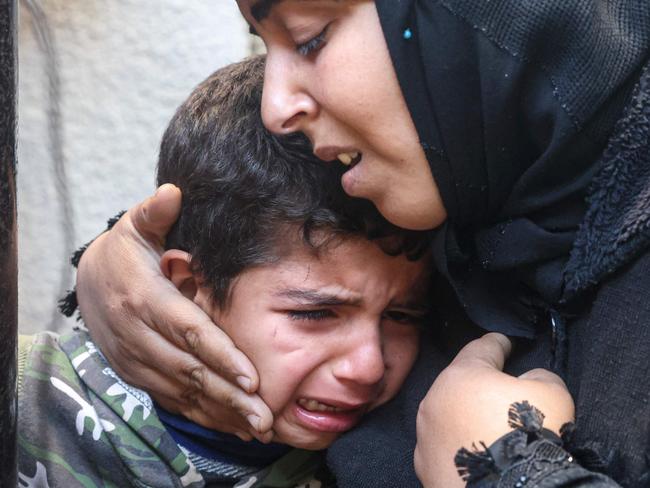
82,425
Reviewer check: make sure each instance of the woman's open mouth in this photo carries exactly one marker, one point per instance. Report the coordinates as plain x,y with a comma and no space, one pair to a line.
350,158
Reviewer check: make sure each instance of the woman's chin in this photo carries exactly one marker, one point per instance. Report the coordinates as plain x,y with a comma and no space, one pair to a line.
411,217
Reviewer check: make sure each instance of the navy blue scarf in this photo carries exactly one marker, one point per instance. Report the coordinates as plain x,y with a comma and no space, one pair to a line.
218,446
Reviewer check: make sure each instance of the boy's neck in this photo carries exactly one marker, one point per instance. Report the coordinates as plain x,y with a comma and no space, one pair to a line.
219,446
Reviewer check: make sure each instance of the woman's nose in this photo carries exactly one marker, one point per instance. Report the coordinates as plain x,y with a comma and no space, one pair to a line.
362,362
287,105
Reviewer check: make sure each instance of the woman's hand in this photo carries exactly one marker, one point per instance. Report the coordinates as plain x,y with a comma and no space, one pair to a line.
469,402
154,337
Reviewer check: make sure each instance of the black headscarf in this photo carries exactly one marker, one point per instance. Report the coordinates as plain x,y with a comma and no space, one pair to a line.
513,101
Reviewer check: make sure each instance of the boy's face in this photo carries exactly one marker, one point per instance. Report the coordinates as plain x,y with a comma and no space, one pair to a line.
332,334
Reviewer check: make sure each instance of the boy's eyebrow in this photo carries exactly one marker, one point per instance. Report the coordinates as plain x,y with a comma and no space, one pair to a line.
319,298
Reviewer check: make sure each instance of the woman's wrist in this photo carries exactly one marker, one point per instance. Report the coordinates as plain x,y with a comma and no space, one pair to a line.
528,456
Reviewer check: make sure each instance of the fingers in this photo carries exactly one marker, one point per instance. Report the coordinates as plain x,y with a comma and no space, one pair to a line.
183,376
202,412
183,344
216,390
139,291
489,351
187,326
194,405
544,376
194,412
170,347
155,216
547,391
183,385
199,408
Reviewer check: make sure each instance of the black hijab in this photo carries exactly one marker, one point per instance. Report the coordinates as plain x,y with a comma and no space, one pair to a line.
513,101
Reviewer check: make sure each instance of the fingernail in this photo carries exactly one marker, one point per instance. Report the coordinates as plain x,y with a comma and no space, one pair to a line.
267,437
244,436
255,421
163,187
245,383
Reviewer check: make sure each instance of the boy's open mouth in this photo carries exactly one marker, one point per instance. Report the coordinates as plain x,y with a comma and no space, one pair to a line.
326,417
316,406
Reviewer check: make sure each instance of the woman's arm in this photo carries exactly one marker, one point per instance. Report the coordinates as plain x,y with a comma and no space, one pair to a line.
468,405
154,337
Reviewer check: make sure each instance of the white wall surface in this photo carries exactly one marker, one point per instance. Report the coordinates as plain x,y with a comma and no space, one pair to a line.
124,66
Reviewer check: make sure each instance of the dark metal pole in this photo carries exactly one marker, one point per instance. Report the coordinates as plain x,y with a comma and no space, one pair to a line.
8,262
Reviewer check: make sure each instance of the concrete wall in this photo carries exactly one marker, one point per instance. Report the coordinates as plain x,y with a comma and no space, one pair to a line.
124,66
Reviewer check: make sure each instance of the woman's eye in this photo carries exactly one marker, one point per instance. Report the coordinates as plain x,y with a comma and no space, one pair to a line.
320,314
313,44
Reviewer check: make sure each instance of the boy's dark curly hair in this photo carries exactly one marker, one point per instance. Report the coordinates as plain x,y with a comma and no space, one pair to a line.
247,193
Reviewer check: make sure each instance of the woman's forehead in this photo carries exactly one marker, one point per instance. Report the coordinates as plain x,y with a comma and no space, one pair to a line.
260,9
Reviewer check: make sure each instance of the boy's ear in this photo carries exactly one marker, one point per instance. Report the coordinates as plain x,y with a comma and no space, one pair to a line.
175,265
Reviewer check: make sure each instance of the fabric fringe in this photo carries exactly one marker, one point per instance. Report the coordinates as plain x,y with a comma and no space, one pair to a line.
76,256
113,220
476,465
526,417
68,304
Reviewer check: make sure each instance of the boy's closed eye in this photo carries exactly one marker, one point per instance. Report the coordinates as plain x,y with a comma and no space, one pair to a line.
407,317
316,314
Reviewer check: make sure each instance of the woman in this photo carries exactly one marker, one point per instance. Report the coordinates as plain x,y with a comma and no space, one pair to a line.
496,124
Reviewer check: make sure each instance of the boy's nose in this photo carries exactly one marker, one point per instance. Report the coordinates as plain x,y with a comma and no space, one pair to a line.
363,361
286,103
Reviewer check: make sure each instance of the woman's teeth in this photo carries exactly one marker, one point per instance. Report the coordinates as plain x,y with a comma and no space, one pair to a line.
347,158
314,406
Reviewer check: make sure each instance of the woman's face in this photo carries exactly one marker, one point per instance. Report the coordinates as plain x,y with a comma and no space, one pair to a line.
330,76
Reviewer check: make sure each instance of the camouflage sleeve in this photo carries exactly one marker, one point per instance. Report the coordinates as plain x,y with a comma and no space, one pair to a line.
79,425
297,469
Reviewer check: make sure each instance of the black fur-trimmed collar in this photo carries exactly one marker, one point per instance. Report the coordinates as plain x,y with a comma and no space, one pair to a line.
616,228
